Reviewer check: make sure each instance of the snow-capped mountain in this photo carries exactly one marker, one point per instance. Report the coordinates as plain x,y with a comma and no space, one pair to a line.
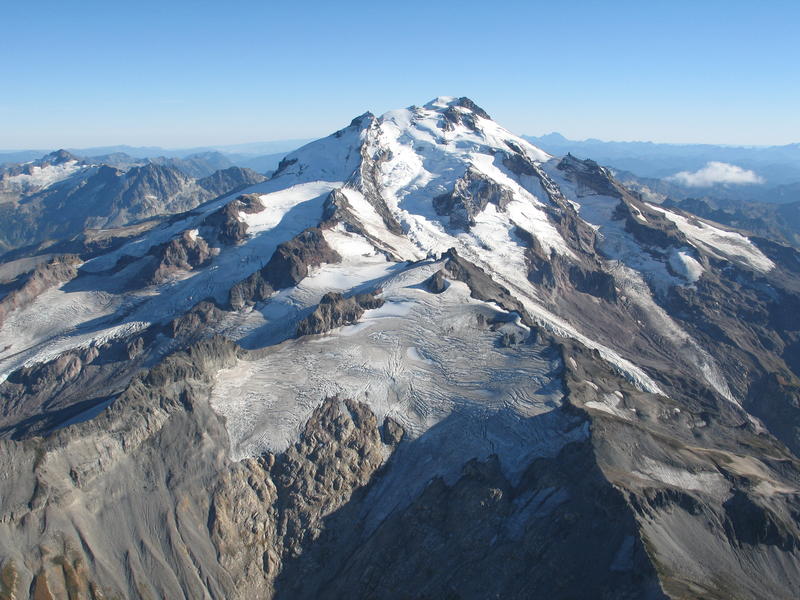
424,359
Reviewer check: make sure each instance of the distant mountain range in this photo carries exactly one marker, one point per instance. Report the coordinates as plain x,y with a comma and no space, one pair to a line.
262,157
60,195
776,165
424,359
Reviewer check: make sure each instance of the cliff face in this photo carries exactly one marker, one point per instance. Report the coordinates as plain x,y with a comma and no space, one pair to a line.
424,360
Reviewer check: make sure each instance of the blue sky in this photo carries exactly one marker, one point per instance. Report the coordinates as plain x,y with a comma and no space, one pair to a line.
181,74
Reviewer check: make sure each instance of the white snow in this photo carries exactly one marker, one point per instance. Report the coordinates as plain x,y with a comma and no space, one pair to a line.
683,263
709,482
719,242
42,177
423,360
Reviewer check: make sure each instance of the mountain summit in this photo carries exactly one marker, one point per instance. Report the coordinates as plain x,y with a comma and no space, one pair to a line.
424,359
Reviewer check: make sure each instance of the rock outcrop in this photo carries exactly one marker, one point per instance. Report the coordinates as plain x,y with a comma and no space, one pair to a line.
470,196
44,276
288,265
334,310
184,253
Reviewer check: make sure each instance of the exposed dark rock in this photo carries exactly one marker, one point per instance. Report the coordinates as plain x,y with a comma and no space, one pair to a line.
517,163
183,253
596,283
367,181
287,266
135,348
482,286
226,224
470,196
508,340
657,230
436,283
37,398
283,165
753,524
337,209
465,102
335,311
392,433
591,176
45,275
555,535
202,315
453,116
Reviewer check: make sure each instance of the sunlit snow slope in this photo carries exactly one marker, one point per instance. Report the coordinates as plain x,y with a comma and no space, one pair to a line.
391,195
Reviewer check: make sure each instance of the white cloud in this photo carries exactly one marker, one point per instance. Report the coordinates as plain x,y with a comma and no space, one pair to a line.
716,172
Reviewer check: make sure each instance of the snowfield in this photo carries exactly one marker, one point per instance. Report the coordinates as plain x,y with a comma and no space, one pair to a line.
421,358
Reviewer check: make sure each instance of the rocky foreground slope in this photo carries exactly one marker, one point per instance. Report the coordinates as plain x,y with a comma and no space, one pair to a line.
424,360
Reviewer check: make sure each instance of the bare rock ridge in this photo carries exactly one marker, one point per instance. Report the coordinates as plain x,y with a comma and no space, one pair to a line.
58,197
334,310
226,224
471,194
481,285
287,266
181,254
44,276
425,359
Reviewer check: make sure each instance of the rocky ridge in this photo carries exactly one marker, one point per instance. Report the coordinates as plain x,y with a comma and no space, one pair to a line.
518,367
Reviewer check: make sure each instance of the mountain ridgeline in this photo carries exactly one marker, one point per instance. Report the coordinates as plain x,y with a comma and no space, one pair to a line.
424,359
61,196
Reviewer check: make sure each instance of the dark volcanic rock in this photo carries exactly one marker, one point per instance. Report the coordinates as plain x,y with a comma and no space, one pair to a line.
436,283
183,253
287,266
470,196
482,286
392,433
591,176
201,315
453,116
225,223
334,311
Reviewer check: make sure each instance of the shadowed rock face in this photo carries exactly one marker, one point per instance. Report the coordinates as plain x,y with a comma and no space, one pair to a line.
437,283
44,276
226,225
470,196
553,413
287,266
334,311
202,315
183,253
481,285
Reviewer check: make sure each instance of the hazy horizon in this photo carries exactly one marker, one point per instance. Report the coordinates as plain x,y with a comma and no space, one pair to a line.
302,141
190,75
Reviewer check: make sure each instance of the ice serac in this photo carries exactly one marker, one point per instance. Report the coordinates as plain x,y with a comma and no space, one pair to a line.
424,359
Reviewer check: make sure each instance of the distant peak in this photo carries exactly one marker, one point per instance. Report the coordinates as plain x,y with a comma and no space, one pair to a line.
58,157
553,137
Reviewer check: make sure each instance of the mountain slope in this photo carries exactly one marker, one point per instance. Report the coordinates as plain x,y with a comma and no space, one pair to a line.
424,359
61,196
